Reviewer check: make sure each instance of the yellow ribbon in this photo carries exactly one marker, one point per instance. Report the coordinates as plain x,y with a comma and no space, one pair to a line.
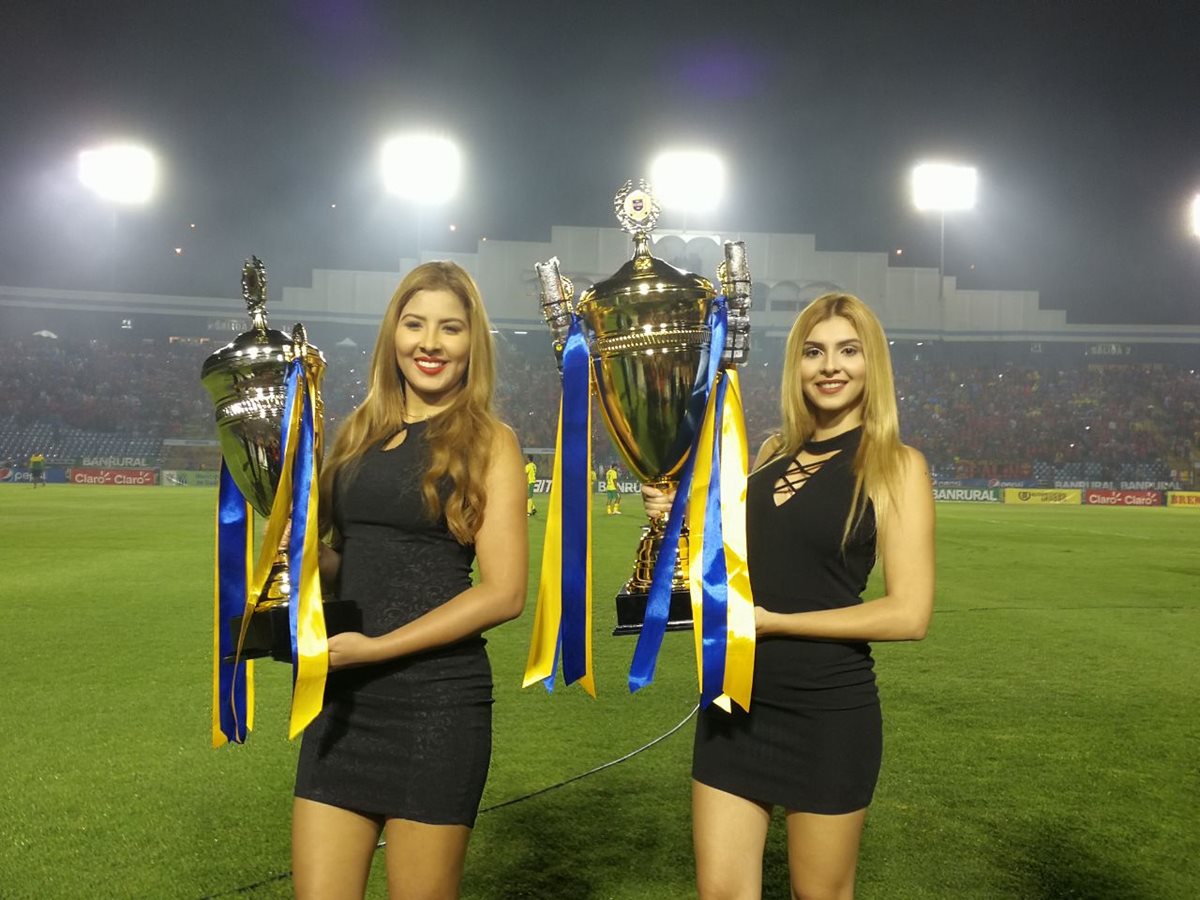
739,649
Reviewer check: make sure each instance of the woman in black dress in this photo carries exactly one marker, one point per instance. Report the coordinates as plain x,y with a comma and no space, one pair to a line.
830,492
422,480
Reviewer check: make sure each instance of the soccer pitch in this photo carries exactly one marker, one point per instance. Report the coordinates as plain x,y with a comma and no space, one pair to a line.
1042,742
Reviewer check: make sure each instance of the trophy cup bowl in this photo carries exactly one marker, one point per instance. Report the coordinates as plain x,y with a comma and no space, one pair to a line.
247,382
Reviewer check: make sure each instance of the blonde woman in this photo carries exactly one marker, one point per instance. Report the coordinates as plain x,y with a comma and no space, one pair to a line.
422,480
829,493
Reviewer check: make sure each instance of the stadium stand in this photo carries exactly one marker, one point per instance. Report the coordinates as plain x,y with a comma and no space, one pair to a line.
1101,423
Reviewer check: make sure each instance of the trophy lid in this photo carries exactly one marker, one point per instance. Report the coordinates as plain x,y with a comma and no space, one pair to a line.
261,346
638,212
247,379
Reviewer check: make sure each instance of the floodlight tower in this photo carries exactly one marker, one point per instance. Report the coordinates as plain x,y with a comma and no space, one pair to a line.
1196,216
943,187
120,174
691,181
423,169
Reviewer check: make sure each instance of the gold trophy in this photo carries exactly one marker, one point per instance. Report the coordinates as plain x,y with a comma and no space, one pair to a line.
248,383
649,344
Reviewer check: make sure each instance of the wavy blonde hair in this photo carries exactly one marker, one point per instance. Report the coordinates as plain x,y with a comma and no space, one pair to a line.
460,439
879,462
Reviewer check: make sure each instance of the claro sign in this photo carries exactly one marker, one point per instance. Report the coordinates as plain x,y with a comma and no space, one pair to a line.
1101,497
148,477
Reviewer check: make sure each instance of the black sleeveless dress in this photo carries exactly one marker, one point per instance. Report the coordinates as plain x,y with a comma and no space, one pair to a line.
812,741
410,738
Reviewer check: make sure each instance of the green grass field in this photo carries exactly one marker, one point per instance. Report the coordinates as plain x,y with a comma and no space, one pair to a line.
1041,743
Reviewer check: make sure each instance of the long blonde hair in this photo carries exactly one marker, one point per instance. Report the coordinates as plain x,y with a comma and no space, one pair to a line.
879,462
459,439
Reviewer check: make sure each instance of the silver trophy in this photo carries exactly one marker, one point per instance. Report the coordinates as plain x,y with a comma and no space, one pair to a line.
247,380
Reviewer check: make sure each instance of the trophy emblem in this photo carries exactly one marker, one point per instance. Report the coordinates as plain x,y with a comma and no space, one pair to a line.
247,380
649,345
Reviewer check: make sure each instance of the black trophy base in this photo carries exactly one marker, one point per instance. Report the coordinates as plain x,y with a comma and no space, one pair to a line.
631,612
269,633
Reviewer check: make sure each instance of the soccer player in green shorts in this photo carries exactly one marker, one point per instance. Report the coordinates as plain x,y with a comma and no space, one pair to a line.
614,493
531,477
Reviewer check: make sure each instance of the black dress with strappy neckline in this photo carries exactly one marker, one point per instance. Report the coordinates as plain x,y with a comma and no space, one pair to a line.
812,741
410,738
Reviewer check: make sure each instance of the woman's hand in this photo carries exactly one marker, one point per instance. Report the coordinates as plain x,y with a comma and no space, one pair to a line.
350,649
657,502
762,621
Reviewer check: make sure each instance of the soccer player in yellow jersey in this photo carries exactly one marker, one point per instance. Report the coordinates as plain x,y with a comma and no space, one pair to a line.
614,493
37,469
531,477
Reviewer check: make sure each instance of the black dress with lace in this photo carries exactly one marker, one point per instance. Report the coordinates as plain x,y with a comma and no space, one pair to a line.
812,741
410,738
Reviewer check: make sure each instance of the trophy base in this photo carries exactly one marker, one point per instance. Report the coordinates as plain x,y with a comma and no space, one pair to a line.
631,611
269,633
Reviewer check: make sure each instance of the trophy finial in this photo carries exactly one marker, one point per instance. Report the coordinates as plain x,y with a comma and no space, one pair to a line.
638,213
254,292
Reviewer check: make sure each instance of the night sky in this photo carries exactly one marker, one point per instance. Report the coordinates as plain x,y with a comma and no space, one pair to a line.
1083,118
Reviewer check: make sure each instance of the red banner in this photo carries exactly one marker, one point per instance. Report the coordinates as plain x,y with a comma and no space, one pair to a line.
1097,497
147,477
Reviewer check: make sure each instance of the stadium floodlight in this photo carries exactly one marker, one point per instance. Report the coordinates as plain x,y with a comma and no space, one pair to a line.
120,173
943,187
691,181
1196,215
422,168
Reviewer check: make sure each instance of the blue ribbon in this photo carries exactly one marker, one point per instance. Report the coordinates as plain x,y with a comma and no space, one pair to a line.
301,490
658,603
715,582
232,522
575,487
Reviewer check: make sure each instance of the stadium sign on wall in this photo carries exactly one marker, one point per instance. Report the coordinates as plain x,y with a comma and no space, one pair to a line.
1042,496
189,478
116,462
21,475
542,486
1184,498
145,477
967,495
1122,498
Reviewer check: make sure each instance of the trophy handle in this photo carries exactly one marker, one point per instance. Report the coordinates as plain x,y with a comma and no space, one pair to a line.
556,293
734,275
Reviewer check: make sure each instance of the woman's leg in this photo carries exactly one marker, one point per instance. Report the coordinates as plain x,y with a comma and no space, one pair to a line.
823,854
425,862
331,850
729,833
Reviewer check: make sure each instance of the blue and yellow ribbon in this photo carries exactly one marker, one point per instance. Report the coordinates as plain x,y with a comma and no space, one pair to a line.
711,495
306,618
719,578
562,624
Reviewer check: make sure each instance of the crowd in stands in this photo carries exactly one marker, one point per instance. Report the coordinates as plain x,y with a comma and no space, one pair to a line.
1103,421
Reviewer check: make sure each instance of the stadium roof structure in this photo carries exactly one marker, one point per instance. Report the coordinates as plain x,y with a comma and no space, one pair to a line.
788,271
